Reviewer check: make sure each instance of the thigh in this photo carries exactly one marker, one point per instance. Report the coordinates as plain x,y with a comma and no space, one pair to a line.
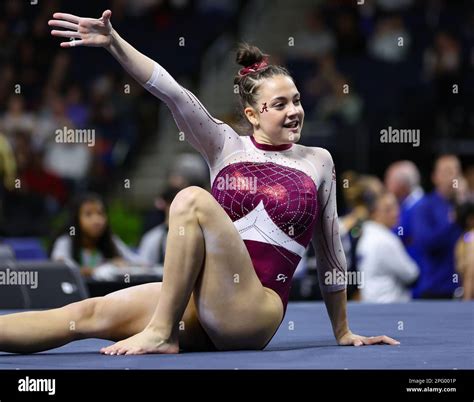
234,308
126,312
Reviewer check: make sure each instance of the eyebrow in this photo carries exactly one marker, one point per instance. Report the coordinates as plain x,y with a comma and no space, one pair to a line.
284,97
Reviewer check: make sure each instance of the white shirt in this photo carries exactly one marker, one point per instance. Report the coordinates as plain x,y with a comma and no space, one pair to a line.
153,245
385,265
62,250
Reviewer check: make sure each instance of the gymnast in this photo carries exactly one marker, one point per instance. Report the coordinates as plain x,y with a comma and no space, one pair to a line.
230,255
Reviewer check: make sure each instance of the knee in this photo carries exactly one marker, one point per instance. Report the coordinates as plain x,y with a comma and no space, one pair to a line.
83,316
188,200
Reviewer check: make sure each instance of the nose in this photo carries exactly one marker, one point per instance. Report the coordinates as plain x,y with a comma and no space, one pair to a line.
292,111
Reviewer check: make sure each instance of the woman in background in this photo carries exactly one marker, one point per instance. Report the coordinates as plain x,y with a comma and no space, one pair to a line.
88,240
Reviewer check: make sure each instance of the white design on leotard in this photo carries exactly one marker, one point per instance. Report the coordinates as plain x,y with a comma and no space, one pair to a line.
220,145
257,224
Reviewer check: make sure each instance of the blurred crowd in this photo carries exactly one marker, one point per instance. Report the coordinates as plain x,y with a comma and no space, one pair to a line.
408,243
45,89
363,68
393,63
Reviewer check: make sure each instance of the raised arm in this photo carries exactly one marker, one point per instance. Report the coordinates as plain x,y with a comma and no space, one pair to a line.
204,133
331,261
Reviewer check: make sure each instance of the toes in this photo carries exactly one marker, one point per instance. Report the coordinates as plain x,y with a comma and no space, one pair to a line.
123,350
110,350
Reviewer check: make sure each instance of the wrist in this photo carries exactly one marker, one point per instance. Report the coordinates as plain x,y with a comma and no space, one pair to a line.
113,40
340,332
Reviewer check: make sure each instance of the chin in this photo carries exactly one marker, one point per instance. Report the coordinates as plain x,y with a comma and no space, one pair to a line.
295,137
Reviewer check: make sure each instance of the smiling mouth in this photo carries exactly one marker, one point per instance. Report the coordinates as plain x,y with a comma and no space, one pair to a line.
293,124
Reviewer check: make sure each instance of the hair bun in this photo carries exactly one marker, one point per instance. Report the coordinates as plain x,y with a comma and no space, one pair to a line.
248,54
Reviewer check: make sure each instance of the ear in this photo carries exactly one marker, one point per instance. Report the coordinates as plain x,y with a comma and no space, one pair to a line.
252,115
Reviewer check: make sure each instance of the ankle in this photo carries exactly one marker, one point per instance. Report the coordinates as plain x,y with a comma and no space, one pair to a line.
164,333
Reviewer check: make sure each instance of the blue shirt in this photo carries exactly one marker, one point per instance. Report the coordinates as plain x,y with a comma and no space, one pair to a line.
434,239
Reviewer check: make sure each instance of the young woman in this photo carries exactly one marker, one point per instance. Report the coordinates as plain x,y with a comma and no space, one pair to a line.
87,239
231,255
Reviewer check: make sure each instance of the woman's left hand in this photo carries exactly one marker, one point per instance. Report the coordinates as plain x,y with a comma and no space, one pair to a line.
350,339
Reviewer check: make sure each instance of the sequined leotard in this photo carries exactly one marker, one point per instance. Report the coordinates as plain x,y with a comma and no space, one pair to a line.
278,197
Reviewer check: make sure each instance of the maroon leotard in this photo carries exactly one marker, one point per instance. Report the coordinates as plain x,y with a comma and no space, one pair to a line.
278,197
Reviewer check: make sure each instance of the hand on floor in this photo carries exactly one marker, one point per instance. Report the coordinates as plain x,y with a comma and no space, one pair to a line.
350,339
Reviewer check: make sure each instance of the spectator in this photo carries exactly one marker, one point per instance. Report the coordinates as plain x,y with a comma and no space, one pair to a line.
386,43
314,40
435,233
387,270
16,118
469,180
7,165
358,195
402,179
153,244
464,253
88,240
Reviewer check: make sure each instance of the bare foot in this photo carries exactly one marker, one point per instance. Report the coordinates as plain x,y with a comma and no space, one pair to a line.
142,343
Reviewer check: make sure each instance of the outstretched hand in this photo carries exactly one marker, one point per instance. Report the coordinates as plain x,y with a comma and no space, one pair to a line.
350,339
95,32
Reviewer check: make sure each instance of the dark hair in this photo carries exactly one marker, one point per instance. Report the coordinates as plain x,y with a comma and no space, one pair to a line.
372,199
249,84
169,193
105,242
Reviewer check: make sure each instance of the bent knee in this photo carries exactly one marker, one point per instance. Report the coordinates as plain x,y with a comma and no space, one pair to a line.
84,316
188,200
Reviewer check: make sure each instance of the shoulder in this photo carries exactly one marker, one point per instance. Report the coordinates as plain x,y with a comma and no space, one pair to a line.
322,153
426,202
323,162
315,153
321,158
63,241
62,247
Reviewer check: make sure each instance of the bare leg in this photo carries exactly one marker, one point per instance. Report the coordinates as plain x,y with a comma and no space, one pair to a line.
183,263
35,331
206,254
114,317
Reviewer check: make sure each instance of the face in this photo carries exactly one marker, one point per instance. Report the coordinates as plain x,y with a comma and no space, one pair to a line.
279,115
92,219
447,171
395,184
387,211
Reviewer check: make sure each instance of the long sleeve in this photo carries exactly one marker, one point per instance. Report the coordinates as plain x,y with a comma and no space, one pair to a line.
330,258
205,133
62,250
149,248
126,253
429,232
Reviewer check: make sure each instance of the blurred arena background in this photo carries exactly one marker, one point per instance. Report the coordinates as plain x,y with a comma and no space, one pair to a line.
361,69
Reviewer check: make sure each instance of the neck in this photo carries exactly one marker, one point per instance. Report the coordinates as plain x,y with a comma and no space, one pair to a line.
384,224
88,242
262,138
446,194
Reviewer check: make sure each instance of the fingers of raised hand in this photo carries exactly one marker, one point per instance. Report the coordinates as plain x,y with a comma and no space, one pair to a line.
63,24
73,43
67,17
66,34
